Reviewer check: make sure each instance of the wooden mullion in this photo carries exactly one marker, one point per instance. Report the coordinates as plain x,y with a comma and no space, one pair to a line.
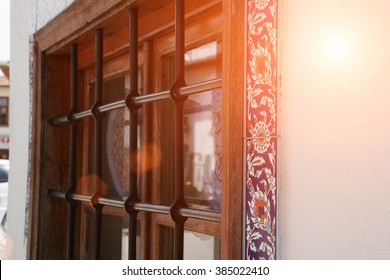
232,123
37,138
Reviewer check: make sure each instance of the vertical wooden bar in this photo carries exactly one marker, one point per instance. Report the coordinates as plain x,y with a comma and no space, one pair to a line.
180,42
38,118
147,124
73,154
97,228
133,150
96,238
179,133
232,123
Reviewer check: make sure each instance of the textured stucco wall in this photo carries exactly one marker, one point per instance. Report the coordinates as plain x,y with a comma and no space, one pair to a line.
335,129
19,127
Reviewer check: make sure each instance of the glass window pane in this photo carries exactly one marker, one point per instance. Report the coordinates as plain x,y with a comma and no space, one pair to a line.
202,140
116,131
166,243
3,101
197,246
200,246
115,141
202,129
114,238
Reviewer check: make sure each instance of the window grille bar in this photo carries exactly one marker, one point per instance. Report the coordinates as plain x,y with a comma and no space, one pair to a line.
133,141
96,235
178,140
112,106
110,202
73,155
81,115
200,214
200,87
179,210
152,208
97,162
84,198
146,207
144,99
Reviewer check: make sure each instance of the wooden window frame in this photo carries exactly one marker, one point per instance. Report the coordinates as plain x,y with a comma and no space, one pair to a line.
70,25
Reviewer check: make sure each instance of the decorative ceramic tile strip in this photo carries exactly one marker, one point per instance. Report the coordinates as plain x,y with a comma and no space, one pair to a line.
261,130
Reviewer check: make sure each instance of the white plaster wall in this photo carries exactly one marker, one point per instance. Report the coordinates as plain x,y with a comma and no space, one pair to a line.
19,127
27,16
335,131
335,126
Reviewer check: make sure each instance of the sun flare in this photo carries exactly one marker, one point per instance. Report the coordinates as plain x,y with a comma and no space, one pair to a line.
337,48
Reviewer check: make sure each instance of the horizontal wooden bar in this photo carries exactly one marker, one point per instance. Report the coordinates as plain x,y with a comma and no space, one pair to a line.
71,23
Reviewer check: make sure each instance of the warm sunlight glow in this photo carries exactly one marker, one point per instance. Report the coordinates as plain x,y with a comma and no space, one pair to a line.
334,51
337,48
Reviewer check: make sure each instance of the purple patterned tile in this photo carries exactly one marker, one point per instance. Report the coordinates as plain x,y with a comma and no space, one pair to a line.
261,131
261,74
261,198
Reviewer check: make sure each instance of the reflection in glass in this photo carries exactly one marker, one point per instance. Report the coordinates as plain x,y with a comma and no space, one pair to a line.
114,238
197,246
115,128
125,240
202,142
202,129
116,143
200,246
166,235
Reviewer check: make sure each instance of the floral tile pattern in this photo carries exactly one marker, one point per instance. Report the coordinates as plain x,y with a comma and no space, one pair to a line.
261,130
